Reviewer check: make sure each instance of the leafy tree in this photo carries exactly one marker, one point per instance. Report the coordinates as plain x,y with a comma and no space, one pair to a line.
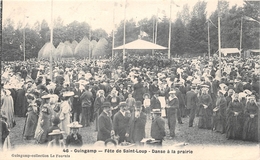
98,34
44,32
179,38
198,29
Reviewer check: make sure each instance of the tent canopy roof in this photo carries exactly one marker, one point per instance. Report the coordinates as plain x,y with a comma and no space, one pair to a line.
226,51
140,44
255,50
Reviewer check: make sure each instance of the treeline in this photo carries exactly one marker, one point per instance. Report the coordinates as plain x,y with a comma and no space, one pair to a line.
188,37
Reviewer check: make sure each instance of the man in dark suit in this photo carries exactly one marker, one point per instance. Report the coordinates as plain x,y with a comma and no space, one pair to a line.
120,122
136,127
158,127
192,101
105,126
77,108
173,104
153,88
155,102
181,107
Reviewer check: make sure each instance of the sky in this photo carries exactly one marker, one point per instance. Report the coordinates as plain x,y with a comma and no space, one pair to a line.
98,13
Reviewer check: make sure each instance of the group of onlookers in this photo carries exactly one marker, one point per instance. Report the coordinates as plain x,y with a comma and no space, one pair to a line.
119,101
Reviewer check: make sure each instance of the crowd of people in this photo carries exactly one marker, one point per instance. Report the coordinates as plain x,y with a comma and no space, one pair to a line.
120,101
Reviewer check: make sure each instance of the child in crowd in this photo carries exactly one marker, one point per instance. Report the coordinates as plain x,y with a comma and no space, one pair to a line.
130,101
74,139
147,104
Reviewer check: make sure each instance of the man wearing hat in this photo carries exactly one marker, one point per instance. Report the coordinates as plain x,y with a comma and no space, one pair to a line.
155,102
120,122
77,108
192,100
239,87
158,127
173,106
180,96
136,127
86,102
154,88
57,140
105,126
74,139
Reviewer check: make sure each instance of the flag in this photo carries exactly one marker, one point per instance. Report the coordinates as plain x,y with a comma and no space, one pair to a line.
143,34
174,3
212,23
250,19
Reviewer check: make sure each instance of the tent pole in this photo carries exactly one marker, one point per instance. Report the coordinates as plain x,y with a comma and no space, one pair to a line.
219,38
153,36
51,41
208,40
124,32
170,28
240,45
156,27
113,41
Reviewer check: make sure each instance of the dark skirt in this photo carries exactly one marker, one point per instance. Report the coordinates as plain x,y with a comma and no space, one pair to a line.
205,119
250,130
234,127
31,124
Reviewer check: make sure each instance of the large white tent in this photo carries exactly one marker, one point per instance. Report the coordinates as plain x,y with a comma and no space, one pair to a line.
140,44
227,51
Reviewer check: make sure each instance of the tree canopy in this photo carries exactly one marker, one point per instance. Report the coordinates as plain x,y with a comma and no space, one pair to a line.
188,33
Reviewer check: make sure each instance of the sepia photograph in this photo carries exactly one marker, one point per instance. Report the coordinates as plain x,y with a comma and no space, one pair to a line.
130,79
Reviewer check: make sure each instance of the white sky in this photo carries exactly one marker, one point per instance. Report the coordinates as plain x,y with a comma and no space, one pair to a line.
98,13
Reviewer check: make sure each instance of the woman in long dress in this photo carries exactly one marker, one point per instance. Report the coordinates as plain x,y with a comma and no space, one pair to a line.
205,109
235,118
44,121
7,108
32,118
219,113
100,99
65,113
250,130
114,100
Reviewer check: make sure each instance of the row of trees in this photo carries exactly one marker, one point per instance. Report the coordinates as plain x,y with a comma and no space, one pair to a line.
189,31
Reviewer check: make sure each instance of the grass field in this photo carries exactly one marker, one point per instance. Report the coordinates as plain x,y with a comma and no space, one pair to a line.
184,134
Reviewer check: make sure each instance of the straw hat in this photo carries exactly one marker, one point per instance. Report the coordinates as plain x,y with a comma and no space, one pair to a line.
56,132
47,96
7,92
68,94
75,125
146,94
216,109
156,111
172,92
248,92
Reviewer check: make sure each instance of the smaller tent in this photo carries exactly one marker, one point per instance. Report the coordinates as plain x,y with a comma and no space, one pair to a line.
46,50
140,44
82,49
100,48
229,51
74,45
